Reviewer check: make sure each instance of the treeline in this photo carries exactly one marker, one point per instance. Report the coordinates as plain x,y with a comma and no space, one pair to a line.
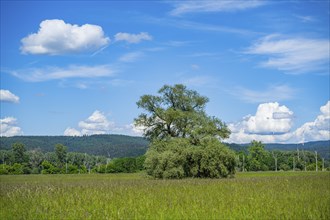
257,158
20,161
115,145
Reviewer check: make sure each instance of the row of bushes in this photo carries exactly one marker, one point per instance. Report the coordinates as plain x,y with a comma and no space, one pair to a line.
118,165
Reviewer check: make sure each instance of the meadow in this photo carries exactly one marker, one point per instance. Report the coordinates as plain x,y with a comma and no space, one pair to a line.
259,195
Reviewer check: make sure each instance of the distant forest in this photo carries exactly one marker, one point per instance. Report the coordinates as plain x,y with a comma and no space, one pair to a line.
111,146
116,146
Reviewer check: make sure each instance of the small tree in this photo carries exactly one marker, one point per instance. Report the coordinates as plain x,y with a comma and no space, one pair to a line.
60,151
19,152
257,157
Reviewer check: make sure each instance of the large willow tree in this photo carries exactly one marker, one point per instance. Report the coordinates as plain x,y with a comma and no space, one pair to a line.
178,112
185,141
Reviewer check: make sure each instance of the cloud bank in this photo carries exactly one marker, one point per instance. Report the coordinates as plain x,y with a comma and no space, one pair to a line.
273,123
7,96
56,37
98,123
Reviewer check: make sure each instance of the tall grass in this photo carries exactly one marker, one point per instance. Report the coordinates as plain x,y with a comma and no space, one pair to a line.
282,195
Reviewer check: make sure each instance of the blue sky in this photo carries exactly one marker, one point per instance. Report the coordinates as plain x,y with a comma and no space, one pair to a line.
74,68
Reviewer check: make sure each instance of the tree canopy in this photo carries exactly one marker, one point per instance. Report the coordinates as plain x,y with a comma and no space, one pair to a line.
178,112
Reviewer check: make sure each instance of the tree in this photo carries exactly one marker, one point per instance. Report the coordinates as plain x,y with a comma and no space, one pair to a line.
178,112
185,141
60,151
258,157
19,152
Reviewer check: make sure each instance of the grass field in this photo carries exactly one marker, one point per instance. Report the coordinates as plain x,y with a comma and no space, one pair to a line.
264,195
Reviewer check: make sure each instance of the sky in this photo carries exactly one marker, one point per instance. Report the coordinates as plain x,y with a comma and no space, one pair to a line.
79,67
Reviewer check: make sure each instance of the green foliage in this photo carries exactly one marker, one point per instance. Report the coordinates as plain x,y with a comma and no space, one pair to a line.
178,158
60,151
48,168
258,157
19,152
178,112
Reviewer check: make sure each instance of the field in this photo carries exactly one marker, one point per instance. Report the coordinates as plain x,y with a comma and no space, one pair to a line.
264,195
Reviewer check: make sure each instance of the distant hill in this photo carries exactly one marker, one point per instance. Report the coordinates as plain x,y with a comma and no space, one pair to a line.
115,145
127,146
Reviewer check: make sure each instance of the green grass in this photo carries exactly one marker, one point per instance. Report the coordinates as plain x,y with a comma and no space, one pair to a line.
260,195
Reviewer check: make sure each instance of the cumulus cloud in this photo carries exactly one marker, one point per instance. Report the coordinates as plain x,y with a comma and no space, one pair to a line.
72,132
135,130
319,129
7,96
264,122
56,37
55,73
293,55
273,123
184,7
8,127
98,123
132,38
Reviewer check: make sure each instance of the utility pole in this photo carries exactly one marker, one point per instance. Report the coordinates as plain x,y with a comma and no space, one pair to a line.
316,161
322,164
298,153
275,158
243,162
294,164
304,159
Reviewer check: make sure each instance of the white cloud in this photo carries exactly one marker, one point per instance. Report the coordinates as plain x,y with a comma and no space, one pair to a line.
71,132
293,55
133,130
8,127
131,57
271,117
7,96
56,37
97,123
184,7
272,93
133,38
319,129
55,73
264,122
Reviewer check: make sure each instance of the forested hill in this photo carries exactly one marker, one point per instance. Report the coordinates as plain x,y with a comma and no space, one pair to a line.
113,145
322,147
127,146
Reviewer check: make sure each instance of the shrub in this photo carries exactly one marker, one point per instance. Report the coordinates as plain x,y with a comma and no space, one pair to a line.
178,158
